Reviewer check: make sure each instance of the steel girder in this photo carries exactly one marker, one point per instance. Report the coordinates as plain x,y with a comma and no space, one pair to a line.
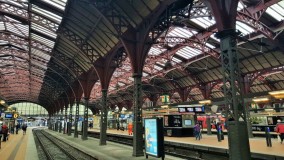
88,50
14,11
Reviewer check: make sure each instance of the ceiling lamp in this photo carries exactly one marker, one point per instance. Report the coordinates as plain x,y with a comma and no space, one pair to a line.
273,93
260,99
2,102
205,102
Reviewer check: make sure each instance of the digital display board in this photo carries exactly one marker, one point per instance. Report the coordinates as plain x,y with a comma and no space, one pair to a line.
190,109
181,110
199,109
151,137
8,115
173,121
122,115
187,122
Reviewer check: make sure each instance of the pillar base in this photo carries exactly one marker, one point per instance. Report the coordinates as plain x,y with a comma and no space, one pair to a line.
238,140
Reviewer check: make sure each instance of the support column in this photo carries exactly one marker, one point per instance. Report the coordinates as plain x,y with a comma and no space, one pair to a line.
76,120
69,124
246,89
248,120
49,122
208,123
60,120
65,122
137,121
85,121
235,113
103,122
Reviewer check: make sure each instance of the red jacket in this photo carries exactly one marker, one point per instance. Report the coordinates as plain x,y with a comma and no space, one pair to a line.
280,128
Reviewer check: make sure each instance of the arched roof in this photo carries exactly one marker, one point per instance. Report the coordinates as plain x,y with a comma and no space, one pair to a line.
47,46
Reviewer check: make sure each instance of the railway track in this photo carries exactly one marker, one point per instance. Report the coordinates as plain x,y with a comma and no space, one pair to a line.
51,148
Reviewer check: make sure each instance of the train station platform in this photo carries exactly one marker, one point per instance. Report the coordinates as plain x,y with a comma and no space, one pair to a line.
22,147
19,147
257,144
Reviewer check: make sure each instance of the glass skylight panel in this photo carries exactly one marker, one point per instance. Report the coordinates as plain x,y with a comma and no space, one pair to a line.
210,46
276,11
204,22
43,40
180,32
176,60
245,29
12,28
46,13
161,64
121,84
157,67
40,54
57,3
2,26
24,28
43,30
240,6
145,74
155,50
213,37
12,2
188,52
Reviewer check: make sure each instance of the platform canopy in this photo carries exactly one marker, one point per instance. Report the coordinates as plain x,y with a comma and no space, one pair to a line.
48,46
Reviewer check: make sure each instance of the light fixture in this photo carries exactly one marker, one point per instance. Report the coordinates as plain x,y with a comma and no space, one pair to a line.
260,99
276,92
2,102
279,96
205,102
165,106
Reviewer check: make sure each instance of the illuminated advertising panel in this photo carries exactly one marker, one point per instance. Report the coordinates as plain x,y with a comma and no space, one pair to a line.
151,135
154,137
8,115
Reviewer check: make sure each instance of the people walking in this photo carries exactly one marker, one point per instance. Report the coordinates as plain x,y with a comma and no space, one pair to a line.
24,128
17,128
280,130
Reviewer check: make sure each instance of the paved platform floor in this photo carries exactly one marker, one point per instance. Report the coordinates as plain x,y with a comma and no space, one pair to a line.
19,147
257,144
22,147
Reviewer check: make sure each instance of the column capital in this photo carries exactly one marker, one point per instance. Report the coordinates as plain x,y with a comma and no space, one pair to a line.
104,90
136,75
227,32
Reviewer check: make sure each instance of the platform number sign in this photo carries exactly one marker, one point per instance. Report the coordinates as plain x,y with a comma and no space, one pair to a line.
165,98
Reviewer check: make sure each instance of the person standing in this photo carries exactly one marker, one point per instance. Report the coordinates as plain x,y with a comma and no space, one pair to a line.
280,130
268,137
5,132
197,131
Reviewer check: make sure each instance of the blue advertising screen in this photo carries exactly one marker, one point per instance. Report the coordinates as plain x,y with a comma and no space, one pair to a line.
8,115
151,138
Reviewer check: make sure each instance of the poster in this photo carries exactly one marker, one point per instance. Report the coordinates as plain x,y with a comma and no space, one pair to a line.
151,138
